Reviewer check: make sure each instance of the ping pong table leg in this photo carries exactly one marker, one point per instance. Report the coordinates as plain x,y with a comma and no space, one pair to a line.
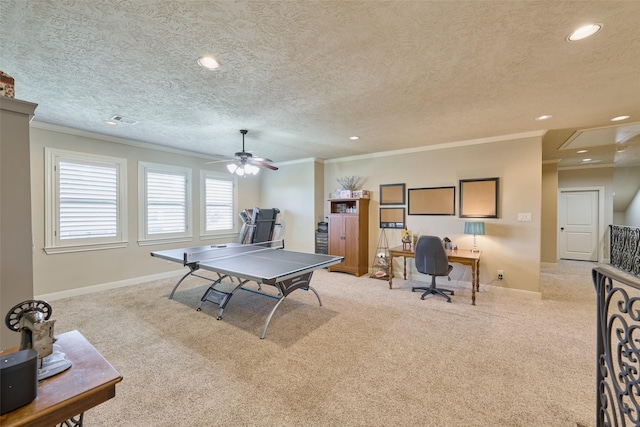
266,323
191,270
273,310
317,295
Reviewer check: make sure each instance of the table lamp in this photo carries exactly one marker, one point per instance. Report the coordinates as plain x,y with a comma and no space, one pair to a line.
475,228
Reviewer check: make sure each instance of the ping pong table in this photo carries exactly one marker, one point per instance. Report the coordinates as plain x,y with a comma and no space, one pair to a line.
266,263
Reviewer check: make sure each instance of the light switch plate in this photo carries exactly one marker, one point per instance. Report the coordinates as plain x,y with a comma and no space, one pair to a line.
524,216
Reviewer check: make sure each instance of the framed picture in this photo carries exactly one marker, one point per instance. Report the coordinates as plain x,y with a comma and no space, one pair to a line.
392,194
392,218
479,198
432,201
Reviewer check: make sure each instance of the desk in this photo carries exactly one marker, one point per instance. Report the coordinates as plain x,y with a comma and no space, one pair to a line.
89,382
460,256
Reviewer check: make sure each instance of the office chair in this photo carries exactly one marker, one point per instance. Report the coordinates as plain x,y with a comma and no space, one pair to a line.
431,259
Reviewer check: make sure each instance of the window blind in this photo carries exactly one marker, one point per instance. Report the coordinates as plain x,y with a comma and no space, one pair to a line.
219,204
166,203
88,196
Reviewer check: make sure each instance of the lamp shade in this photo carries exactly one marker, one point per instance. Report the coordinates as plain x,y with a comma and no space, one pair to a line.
475,228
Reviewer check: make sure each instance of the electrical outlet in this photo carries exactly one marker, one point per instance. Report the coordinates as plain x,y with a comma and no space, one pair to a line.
500,274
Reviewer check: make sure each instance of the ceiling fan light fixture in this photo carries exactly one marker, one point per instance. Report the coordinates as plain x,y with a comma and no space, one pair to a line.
251,169
240,171
231,167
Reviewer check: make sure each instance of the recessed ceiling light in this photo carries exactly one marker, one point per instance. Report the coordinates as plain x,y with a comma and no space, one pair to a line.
618,118
622,150
353,138
584,32
544,117
586,160
110,122
581,151
208,62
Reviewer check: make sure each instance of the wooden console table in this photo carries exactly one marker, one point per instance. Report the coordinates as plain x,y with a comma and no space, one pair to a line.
89,382
461,256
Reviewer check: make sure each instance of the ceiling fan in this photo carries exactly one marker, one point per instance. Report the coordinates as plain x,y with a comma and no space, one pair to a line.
244,162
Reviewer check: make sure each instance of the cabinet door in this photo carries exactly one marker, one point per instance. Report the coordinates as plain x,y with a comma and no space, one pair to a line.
351,228
336,235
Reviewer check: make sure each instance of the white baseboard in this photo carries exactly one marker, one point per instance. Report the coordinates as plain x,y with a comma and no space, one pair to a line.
106,286
515,293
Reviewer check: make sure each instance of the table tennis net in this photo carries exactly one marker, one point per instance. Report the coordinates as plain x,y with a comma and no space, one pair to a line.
228,251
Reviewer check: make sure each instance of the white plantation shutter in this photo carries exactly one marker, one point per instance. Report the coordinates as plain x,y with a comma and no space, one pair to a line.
85,201
166,203
219,204
165,208
88,200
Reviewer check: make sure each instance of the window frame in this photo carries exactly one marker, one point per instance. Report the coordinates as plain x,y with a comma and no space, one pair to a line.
144,238
53,243
207,174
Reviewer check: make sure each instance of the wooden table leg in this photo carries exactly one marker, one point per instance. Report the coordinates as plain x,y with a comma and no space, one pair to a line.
405,267
390,271
474,278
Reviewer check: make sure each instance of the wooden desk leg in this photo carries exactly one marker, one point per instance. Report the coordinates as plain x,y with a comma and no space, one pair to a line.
478,276
390,271
474,277
404,258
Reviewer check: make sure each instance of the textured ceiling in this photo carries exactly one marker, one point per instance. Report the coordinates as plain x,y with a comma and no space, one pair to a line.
304,76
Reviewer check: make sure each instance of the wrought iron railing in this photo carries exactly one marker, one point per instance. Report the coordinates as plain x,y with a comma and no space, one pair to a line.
625,248
618,347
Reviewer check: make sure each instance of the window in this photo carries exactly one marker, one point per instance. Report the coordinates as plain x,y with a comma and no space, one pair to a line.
165,203
85,201
218,202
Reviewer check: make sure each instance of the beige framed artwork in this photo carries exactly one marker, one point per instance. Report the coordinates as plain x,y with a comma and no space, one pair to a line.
479,198
392,194
432,201
392,218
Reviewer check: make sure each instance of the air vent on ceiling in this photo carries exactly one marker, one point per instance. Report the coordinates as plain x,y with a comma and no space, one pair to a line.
123,120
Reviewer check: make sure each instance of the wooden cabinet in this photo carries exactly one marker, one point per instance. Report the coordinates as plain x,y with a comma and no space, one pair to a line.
349,234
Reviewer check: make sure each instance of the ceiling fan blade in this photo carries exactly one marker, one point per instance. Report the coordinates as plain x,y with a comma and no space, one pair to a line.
262,165
263,159
227,160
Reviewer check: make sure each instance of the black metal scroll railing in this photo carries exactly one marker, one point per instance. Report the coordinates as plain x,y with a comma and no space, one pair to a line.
618,347
625,248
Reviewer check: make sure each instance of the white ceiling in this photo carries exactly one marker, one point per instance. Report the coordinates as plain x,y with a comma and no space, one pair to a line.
304,76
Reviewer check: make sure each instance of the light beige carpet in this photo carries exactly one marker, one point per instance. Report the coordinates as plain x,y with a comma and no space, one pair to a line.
369,357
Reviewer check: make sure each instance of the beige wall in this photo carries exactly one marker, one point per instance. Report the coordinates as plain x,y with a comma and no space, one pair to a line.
549,240
632,214
16,268
508,245
55,273
290,189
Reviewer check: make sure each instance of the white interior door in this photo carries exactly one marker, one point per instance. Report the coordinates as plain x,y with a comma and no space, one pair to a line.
578,222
